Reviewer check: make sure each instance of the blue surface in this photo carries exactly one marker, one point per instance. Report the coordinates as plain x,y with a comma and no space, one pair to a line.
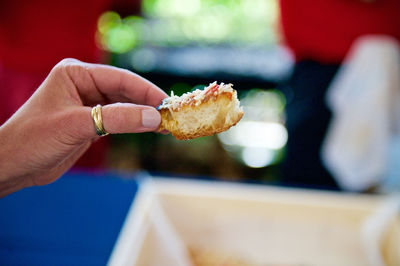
74,221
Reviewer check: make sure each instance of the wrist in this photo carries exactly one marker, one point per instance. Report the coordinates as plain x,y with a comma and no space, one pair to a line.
11,179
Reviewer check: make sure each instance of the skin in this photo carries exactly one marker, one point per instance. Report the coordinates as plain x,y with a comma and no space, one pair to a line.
49,133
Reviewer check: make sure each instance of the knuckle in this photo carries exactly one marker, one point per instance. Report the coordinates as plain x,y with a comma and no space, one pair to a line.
67,65
69,61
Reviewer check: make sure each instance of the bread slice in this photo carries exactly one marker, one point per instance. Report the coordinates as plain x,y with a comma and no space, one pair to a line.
201,112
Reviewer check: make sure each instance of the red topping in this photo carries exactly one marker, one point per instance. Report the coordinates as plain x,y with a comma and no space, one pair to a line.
212,89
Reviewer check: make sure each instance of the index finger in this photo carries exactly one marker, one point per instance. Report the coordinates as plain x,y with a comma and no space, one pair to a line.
113,83
127,83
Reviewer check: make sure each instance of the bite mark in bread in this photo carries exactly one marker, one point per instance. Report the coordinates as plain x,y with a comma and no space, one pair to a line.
201,112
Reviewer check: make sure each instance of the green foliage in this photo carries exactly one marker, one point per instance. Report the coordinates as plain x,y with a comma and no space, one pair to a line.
182,22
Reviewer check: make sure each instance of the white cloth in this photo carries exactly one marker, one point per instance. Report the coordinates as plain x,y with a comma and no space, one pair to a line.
365,101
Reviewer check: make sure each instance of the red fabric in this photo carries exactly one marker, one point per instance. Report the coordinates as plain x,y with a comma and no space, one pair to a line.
323,30
34,36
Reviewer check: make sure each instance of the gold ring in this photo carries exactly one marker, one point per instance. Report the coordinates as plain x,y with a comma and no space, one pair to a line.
98,121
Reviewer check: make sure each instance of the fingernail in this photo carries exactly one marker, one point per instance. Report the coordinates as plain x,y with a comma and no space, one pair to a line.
151,118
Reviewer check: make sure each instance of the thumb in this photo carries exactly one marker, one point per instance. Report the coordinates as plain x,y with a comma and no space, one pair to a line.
122,118
130,118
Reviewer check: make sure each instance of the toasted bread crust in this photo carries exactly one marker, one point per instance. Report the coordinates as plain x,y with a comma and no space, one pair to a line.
215,115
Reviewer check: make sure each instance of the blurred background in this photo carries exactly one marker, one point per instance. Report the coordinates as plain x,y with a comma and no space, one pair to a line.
319,82
280,55
181,45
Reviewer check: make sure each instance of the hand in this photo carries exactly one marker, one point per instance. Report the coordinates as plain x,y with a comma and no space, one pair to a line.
46,136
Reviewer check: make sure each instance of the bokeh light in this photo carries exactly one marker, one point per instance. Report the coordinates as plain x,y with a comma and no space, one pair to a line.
259,139
184,22
118,35
257,134
257,157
